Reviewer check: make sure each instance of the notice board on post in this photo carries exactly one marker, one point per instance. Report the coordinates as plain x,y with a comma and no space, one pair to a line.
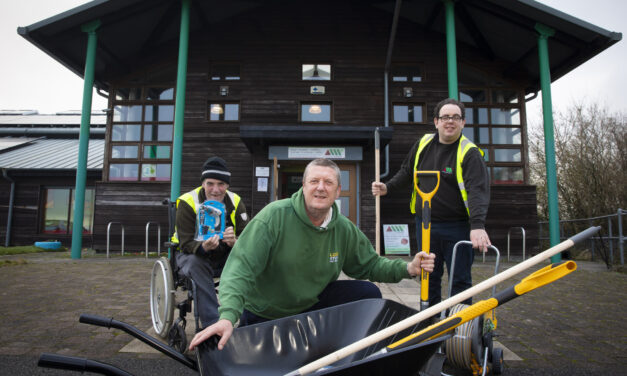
396,239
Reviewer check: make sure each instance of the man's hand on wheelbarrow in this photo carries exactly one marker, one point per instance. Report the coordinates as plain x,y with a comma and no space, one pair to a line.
480,239
422,260
223,328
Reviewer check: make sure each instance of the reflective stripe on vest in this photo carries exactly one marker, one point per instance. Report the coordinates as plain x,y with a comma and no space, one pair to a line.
191,198
464,146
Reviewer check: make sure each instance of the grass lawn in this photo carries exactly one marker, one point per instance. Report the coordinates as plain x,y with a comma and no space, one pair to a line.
27,249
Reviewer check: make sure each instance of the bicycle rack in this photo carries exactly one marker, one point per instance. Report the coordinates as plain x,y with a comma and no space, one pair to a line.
523,240
158,237
108,233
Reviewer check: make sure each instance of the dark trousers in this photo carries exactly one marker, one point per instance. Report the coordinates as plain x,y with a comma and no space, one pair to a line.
336,292
444,235
200,271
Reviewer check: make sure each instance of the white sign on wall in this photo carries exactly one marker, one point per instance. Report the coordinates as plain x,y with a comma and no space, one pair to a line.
396,239
295,152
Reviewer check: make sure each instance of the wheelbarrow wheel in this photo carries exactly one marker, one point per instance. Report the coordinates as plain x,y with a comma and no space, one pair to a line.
177,337
162,297
497,361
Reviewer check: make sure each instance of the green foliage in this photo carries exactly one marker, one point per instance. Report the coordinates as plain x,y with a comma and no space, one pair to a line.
27,249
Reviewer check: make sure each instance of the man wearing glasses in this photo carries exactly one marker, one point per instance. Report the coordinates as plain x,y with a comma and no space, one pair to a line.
459,207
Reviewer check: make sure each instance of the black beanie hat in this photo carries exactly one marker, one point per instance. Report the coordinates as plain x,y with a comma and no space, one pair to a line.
215,168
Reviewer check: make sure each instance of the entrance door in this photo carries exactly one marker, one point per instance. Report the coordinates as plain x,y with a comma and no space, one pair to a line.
290,175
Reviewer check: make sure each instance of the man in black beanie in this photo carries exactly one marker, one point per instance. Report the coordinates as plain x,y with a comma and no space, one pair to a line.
202,260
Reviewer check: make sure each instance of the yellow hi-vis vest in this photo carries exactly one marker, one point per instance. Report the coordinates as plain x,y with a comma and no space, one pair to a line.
464,146
191,198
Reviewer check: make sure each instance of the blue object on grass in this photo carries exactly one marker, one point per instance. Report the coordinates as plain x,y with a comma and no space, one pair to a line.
48,245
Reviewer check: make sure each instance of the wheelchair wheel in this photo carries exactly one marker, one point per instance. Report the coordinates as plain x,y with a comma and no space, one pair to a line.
162,297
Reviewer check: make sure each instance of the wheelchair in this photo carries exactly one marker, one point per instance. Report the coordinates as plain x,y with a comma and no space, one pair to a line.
165,279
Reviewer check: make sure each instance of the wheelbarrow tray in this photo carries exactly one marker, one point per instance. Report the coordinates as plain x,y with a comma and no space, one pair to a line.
280,346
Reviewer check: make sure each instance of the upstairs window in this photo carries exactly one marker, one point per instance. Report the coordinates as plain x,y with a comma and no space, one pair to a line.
315,112
408,113
316,72
223,111
224,72
407,73
141,133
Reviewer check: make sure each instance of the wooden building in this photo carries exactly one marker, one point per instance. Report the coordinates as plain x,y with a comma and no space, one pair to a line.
270,85
38,159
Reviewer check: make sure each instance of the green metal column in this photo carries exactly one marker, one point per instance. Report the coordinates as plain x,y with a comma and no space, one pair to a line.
544,32
451,49
179,106
83,138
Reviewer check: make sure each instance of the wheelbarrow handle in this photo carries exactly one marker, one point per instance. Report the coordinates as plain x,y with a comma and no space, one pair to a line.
73,363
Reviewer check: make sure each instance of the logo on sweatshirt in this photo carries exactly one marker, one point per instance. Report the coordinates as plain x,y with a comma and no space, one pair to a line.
333,256
447,170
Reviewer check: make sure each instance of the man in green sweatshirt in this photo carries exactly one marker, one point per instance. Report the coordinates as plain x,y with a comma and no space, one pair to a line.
288,258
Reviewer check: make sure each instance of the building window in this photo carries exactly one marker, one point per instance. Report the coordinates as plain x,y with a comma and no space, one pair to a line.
315,112
59,211
494,123
407,73
222,111
408,113
224,72
317,72
141,134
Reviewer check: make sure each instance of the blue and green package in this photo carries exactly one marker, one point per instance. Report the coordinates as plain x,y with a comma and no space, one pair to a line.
210,220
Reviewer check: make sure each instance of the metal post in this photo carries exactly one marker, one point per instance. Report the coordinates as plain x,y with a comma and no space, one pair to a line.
609,226
179,105
544,32
451,49
620,236
108,236
591,241
158,237
83,138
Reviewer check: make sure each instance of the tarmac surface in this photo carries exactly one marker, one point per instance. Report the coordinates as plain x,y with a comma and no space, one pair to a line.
575,326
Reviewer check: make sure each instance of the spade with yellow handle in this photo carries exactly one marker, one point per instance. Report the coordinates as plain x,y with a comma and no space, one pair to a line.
426,231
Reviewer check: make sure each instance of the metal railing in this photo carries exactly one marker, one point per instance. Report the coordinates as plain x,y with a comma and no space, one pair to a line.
109,233
158,237
509,232
619,238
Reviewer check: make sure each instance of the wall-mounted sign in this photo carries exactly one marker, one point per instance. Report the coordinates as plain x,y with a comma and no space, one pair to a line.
396,239
314,152
262,171
316,90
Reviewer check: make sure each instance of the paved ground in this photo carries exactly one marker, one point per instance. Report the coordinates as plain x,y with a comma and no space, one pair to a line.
575,326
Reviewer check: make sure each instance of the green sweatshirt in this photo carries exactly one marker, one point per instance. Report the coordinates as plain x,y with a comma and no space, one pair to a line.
282,262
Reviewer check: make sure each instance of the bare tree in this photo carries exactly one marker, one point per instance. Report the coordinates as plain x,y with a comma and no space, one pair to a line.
591,162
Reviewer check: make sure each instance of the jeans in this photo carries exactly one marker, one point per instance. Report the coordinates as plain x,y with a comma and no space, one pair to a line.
200,271
336,292
444,235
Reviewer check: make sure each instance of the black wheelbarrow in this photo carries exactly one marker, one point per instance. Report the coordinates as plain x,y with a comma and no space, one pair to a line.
280,346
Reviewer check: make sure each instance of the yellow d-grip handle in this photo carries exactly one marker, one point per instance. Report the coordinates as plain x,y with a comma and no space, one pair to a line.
426,228
545,276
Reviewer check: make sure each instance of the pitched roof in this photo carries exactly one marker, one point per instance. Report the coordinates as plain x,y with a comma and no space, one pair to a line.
46,154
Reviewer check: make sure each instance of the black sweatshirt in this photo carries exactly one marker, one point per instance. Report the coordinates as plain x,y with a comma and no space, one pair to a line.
447,204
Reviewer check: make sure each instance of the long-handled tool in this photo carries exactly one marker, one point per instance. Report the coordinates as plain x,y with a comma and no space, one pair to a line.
542,277
412,320
426,231
377,198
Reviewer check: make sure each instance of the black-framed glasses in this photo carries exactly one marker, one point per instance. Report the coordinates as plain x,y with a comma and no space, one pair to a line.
447,118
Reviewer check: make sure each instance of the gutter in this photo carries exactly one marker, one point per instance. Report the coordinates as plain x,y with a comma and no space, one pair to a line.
7,239
386,90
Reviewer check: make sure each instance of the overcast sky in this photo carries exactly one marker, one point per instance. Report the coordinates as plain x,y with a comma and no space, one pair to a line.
30,79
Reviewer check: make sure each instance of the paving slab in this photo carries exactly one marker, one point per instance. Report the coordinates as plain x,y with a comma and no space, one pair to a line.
573,326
